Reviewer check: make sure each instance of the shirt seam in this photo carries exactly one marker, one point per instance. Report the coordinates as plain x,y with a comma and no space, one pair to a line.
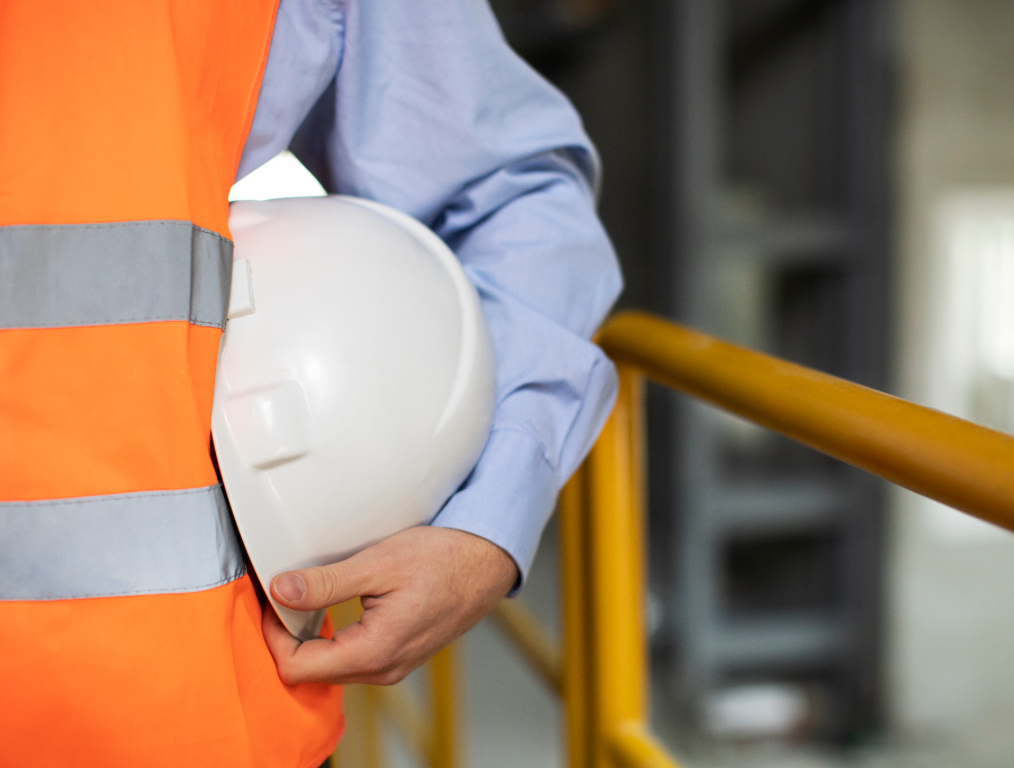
530,434
584,404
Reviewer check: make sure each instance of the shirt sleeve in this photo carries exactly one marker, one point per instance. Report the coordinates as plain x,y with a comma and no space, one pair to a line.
432,113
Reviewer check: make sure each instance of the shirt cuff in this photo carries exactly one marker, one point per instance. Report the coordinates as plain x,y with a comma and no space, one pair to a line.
508,497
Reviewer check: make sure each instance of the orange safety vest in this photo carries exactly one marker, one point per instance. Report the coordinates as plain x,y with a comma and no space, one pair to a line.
130,632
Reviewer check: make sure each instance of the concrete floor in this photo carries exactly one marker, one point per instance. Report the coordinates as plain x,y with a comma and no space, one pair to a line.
987,750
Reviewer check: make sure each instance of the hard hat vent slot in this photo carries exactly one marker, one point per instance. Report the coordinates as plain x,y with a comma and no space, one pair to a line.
270,426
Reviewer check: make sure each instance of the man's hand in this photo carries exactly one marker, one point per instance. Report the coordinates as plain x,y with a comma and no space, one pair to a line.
420,589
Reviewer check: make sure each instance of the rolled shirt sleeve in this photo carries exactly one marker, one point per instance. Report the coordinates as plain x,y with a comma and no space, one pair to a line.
432,113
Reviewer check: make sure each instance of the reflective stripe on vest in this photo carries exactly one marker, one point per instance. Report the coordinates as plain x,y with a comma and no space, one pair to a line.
125,272
129,633
125,544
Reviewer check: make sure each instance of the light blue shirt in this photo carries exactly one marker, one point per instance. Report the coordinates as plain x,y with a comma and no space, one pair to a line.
420,104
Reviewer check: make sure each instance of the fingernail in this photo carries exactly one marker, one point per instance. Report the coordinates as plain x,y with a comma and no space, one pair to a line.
290,587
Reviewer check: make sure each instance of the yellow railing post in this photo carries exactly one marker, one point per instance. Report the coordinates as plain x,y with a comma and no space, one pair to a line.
445,748
619,662
576,632
373,742
361,745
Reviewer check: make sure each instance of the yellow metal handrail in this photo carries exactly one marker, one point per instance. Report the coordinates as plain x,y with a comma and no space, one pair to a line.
525,631
603,674
966,466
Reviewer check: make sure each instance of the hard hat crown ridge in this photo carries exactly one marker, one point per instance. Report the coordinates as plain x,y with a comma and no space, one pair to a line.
355,386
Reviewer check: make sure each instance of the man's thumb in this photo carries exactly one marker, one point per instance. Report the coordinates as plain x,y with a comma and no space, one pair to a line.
313,588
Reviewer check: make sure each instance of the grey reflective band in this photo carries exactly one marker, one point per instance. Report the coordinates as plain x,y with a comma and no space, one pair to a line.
54,276
124,544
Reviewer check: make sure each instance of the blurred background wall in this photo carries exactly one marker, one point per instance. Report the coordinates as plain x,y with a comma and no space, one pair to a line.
951,603
825,180
745,146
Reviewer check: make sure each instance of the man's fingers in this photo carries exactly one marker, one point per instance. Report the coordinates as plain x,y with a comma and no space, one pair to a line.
357,654
317,660
420,589
280,642
312,588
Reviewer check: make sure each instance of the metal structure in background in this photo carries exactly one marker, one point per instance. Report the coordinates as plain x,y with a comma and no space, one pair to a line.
602,672
745,157
777,133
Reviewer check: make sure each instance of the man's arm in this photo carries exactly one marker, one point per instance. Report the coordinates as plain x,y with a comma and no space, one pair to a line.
434,115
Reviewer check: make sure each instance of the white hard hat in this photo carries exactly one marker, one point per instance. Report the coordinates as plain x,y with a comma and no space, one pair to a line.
355,385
